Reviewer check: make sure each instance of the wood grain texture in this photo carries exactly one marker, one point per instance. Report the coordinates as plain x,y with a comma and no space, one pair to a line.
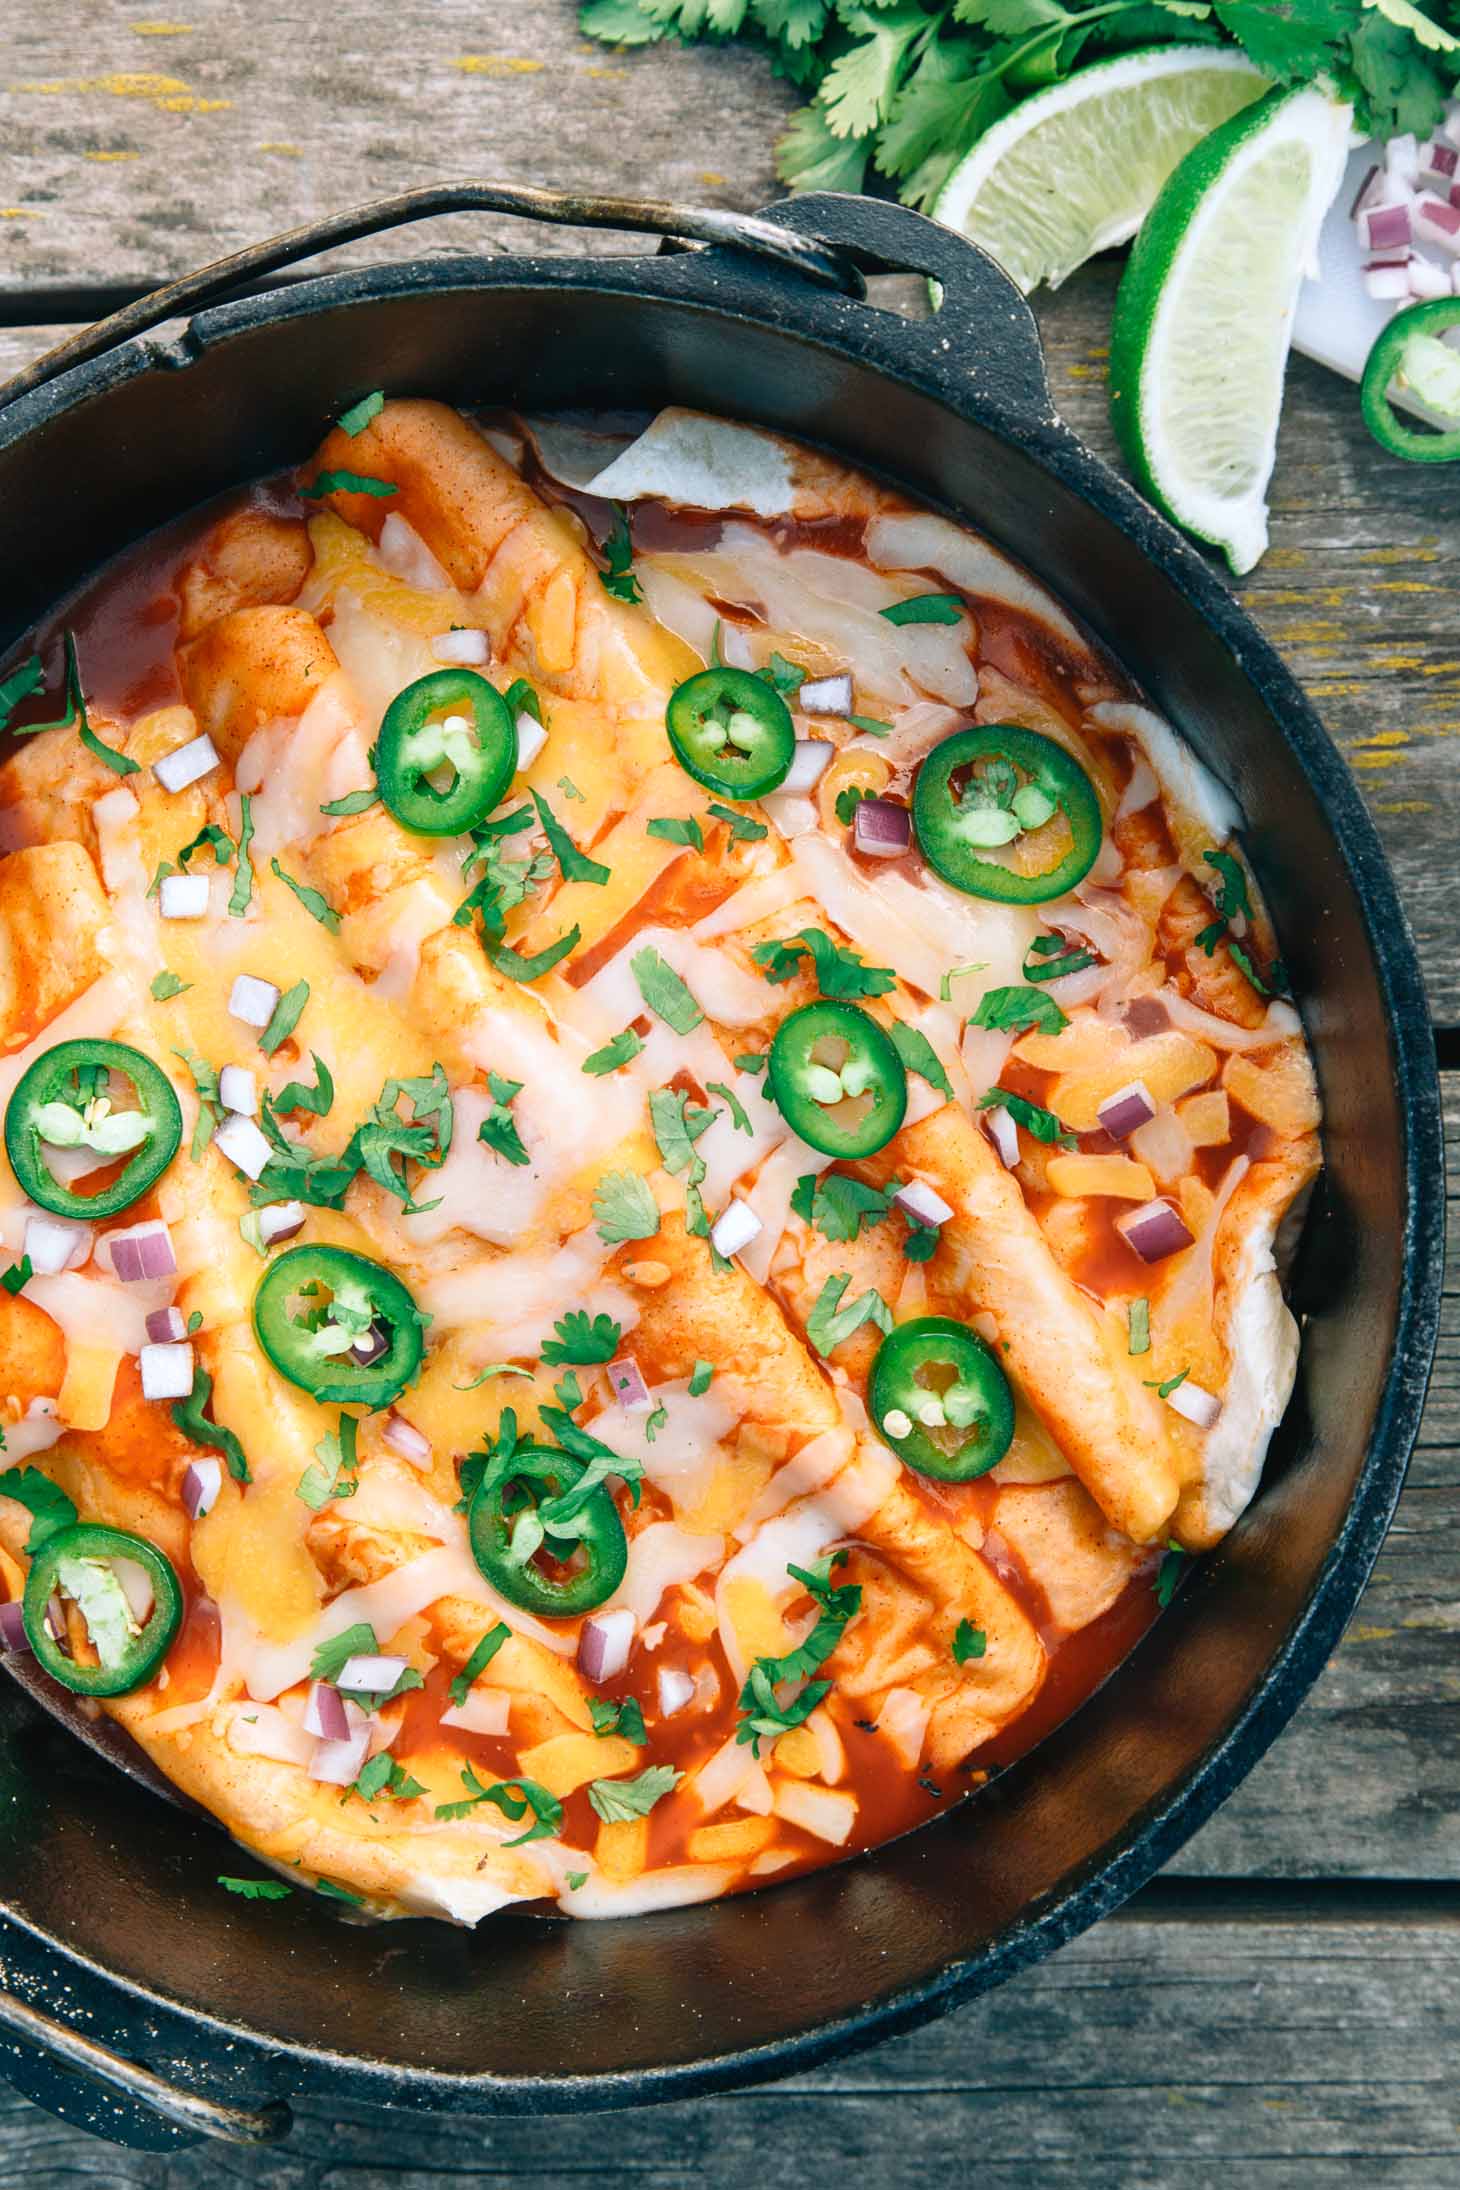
1293,2048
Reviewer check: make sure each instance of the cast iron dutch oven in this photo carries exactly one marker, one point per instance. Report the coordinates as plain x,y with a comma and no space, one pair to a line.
116,1945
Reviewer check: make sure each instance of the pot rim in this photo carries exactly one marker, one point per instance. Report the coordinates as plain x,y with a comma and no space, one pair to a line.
1015,404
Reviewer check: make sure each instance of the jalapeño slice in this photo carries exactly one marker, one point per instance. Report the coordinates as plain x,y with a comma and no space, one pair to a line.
732,732
1000,785
340,1326
446,753
557,1571
837,1080
64,1101
941,1400
1411,352
79,1563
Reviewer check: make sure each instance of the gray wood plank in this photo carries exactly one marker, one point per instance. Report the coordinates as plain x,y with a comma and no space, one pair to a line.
1301,2048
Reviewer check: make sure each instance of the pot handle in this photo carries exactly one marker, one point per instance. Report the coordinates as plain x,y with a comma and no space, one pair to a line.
185,2110
982,333
756,234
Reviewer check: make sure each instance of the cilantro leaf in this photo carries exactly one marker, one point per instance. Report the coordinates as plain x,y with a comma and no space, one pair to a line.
284,1018
624,1207
626,1718
166,985
1233,901
616,1800
359,415
353,802
1169,1574
582,1338
618,552
514,1798
313,902
926,608
294,1095
499,1128
739,1116
1051,957
766,1712
381,1775
701,1378
918,1055
1043,1124
256,1889
77,719
744,828
242,892
49,1508
1016,1010
840,1206
840,973
574,866
969,1642
672,830
678,1124
345,482
664,992
829,1323
517,968
1138,1320
620,1050
191,1419
21,684
481,1657
334,1654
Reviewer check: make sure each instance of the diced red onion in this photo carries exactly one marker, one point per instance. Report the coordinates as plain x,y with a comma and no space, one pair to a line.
375,1342
826,695
188,764
1370,193
1145,1015
252,1000
202,1481
472,647
371,1673
629,1388
238,1089
142,1252
735,1227
918,1201
55,1244
881,828
240,1140
183,897
1382,227
280,1220
486,1711
605,1643
809,763
1130,1106
676,1689
531,738
1004,1134
167,1371
1439,161
337,1763
1154,1231
1437,221
406,1440
325,1715
12,1630
1195,1403
165,1326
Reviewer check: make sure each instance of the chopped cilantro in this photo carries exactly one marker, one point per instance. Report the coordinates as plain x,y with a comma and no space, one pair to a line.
514,1798
285,1018
624,1207
619,1051
671,829
744,828
359,415
739,1116
317,906
256,1889
616,1800
1051,957
381,1775
1164,1387
346,482
701,1377
522,699
582,1338
294,1095
481,1657
829,1323
17,1276
166,985
499,1128
840,973
1139,1320
839,1206
49,1508
787,677
926,608
678,1124
574,866
765,1713
664,992
242,892
1043,1124
626,1718
1169,1574
1016,1010
848,800
570,789
577,1880
20,685
190,1417
618,552
919,1056
517,968
353,802
968,1642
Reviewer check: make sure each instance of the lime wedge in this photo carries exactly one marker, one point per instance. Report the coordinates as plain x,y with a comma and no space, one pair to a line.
1075,169
1204,314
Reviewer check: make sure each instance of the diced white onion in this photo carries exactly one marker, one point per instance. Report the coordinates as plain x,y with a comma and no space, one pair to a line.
252,1000
826,1812
486,1711
406,556
1004,1134
809,763
281,1220
187,764
676,1689
734,1228
183,897
826,696
201,1485
372,1673
55,1244
238,1089
240,1140
531,738
337,1763
1195,1403
167,1371
469,647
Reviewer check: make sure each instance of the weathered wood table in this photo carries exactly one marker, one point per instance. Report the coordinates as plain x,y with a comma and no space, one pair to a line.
1283,2008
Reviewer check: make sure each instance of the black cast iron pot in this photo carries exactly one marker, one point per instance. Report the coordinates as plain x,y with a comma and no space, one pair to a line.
110,1918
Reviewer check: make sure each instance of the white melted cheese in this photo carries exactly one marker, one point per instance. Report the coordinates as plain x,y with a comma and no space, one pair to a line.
292,768
660,1556
924,542
1262,1353
725,991
920,928
702,463
1185,780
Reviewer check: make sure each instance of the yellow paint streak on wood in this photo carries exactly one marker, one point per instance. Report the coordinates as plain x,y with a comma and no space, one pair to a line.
710,179
286,151
112,155
162,30
1420,551
15,212
496,64
1386,737
1316,630
169,94
1288,558
1403,585
1301,597
1404,806
1371,1634
1370,763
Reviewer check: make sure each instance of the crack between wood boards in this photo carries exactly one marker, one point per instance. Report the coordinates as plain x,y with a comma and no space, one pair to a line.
1279,1901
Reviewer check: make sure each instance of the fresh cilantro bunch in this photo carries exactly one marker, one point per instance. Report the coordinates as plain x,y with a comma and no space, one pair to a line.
904,87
